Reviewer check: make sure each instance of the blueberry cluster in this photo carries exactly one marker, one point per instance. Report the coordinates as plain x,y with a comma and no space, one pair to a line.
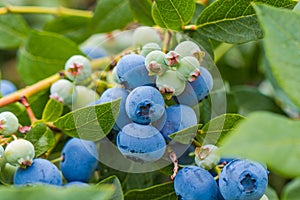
240,179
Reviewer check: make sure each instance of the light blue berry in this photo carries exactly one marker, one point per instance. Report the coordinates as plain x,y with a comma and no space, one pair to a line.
7,87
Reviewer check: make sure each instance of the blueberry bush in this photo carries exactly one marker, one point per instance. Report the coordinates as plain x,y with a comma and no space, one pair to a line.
141,99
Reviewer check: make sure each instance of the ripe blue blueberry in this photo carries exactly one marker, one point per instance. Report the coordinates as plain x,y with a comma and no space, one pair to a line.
145,104
141,143
132,72
9,123
194,183
78,68
63,91
243,180
177,119
19,153
196,90
113,94
79,160
41,171
7,87
93,51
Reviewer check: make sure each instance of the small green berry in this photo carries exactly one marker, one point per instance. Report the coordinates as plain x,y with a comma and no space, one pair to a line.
155,63
189,68
9,123
149,47
207,156
78,68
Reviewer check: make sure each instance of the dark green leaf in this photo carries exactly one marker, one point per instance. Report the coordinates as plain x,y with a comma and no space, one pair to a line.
49,192
185,136
73,27
269,138
250,99
234,21
173,14
44,54
110,15
292,190
214,131
13,31
163,191
52,110
16,108
282,47
141,10
118,194
41,137
91,122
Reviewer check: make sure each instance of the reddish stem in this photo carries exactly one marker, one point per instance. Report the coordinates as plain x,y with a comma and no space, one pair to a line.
29,111
174,159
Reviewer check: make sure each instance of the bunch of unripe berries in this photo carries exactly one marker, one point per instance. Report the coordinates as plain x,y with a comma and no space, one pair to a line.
159,90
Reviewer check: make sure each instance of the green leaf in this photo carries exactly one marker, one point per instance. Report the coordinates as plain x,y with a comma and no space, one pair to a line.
282,44
271,193
110,15
173,14
72,27
41,137
141,10
13,31
52,110
292,190
269,138
233,21
258,101
44,54
91,122
16,108
118,194
185,136
214,130
164,191
49,192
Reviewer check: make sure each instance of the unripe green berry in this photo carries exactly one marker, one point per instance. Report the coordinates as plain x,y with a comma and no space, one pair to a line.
172,59
9,123
207,156
19,153
2,159
189,48
63,91
84,97
170,84
143,35
189,68
149,47
78,68
155,63
7,173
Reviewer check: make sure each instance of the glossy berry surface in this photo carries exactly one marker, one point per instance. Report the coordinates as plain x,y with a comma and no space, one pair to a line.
194,183
113,94
196,90
19,153
132,72
41,171
79,160
9,123
243,180
141,143
7,87
177,119
145,104
78,68
64,91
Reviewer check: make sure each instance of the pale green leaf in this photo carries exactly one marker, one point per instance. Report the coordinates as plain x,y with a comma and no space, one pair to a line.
52,110
292,190
118,194
185,136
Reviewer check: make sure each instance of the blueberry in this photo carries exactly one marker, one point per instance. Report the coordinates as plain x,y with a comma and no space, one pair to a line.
141,143
194,183
7,87
94,51
79,160
41,171
63,91
243,180
189,48
149,47
155,63
170,84
177,119
207,156
78,68
84,96
189,68
196,90
113,94
145,104
143,35
19,153
76,184
9,123
132,72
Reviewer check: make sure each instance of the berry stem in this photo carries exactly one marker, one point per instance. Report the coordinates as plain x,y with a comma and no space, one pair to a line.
29,91
167,39
57,159
174,159
59,11
29,111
